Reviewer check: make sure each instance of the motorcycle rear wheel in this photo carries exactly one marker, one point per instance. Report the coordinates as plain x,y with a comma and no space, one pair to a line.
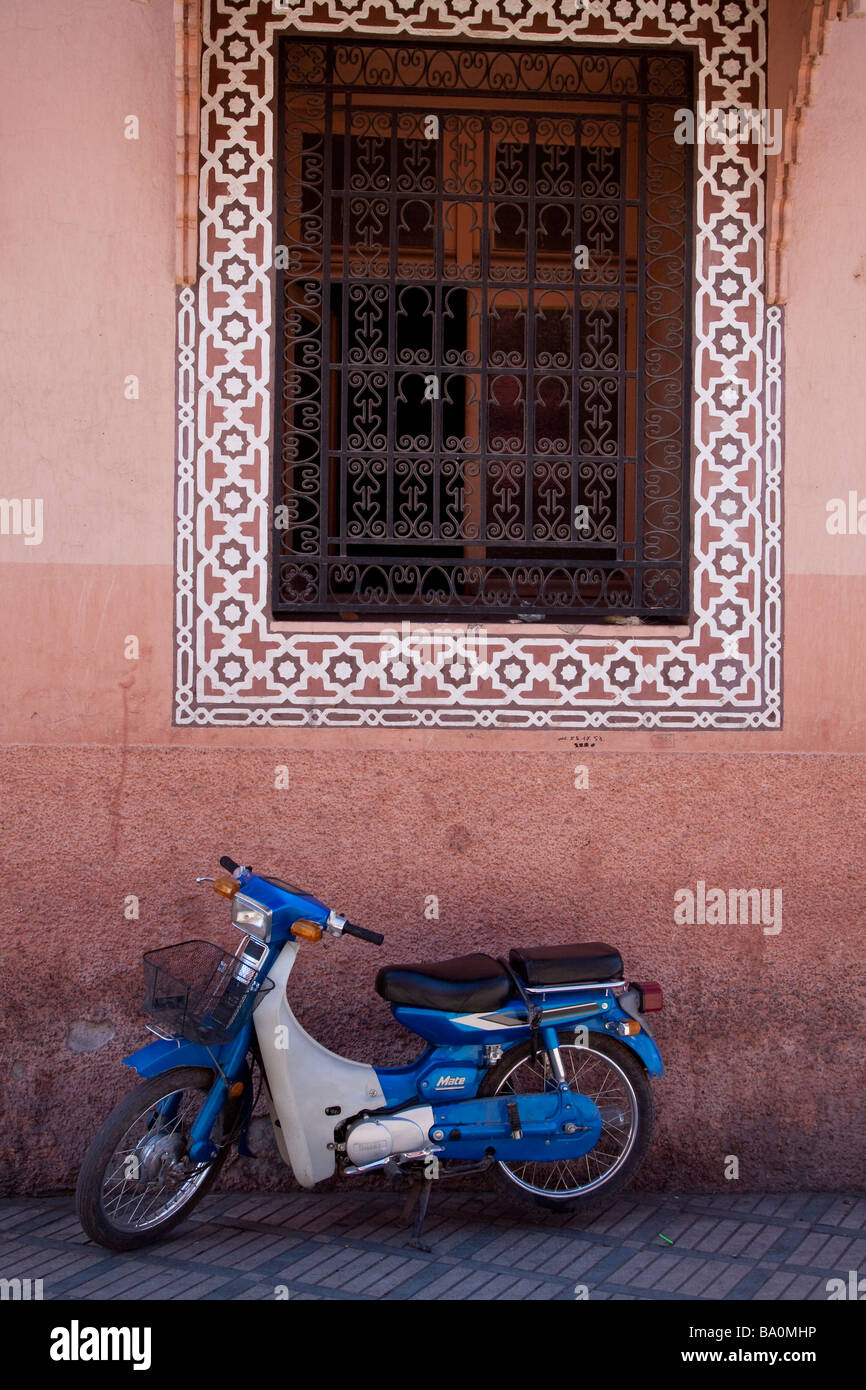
612,1076
136,1181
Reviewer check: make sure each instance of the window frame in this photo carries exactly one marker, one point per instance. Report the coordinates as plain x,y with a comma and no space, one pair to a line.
237,666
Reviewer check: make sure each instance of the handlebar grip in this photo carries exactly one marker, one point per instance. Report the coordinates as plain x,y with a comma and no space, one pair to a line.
375,937
228,864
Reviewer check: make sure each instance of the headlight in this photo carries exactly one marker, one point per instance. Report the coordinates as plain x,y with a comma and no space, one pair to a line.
251,917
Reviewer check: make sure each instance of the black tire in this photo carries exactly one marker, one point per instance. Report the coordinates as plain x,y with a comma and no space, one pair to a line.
97,1221
601,1190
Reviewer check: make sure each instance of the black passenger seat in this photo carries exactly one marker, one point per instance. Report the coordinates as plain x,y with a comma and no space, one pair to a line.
585,963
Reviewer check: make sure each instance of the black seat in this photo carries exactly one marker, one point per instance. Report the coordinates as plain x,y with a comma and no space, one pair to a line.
580,964
467,983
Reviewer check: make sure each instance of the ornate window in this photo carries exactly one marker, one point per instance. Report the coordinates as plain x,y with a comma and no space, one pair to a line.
483,281
239,662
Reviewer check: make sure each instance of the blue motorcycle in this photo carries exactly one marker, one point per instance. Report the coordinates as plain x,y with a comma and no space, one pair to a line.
535,1070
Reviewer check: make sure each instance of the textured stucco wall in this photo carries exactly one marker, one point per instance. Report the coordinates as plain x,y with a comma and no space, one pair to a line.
102,798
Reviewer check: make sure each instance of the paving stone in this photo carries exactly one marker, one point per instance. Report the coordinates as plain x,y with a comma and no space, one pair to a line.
576,1264
761,1240
110,1282
15,1216
709,1234
820,1250
808,1287
353,1273
547,1292
259,1293
713,1281
627,1222
645,1269
207,1287
63,1226
261,1252
678,1274
451,1279
67,1279
516,1293
480,1285
153,1285
848,1212
391,1273
775,1287
11,1250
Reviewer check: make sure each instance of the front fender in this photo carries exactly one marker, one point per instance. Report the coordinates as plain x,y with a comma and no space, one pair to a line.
162,1056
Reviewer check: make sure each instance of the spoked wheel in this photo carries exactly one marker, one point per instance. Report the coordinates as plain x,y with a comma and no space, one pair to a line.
137,1180
610,1075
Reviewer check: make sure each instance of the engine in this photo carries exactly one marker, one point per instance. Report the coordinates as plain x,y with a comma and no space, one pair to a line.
371,1140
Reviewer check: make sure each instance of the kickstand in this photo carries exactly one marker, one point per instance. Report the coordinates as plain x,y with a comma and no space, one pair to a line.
416,1206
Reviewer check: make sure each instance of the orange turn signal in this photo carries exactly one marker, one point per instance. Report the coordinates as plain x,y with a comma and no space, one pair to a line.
629,1029
307,931
225,886
237,1090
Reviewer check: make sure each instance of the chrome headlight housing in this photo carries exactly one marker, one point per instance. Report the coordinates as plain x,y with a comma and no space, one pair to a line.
251,917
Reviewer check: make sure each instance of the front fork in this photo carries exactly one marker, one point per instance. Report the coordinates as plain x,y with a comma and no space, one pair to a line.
230,1069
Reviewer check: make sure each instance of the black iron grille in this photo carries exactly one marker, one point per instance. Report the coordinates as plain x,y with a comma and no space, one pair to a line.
483,367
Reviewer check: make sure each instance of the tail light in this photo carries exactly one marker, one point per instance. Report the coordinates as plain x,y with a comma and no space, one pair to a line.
650,994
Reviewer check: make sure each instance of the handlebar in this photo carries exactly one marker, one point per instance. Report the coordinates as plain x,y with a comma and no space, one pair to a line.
229,864
375,937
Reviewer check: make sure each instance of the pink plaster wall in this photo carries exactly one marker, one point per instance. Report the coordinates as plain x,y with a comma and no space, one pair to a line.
826,403
87,227
104,798
760,1033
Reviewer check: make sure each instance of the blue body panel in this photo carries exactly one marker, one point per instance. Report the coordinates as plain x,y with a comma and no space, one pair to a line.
423,1079
457,1042
475,1128
287,906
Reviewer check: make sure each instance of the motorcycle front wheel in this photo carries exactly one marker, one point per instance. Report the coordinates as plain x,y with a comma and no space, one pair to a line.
137,1181
609,1073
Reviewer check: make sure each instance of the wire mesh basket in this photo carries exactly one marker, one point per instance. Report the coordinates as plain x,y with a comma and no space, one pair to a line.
199,991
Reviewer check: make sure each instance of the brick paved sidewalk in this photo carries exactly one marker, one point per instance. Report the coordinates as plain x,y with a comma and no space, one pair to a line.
353,1246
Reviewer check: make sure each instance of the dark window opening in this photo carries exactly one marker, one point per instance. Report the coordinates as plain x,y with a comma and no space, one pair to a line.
483,316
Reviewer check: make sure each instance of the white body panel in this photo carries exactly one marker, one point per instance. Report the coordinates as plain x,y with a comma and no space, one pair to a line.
304,1078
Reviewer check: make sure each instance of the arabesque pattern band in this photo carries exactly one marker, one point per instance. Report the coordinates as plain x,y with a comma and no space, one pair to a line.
234,665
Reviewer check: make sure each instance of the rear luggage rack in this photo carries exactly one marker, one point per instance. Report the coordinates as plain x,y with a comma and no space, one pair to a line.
570,989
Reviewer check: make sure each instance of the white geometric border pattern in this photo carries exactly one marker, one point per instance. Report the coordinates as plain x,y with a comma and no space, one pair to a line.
232,666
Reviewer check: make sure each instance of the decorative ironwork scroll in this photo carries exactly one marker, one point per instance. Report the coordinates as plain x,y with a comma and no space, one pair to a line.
236,665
